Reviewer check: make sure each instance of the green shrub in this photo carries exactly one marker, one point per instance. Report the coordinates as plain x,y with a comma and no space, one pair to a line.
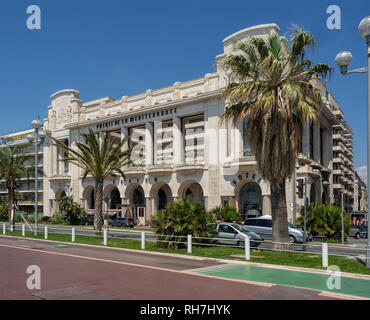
325,221
4,217
58,218
18,216
227,214
31,218
4,209
180,219
72,211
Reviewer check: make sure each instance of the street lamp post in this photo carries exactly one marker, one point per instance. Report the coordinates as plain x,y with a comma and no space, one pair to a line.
37,139
343,60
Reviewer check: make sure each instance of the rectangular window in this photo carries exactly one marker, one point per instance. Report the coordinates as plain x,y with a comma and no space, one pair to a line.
193,128
115,137
137,143
311,141
163,142
63,166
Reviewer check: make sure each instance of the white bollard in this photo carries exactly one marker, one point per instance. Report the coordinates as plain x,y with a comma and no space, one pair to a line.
247,248
143,240
4,228
73,235
105,237
46,233
325,260
23,230
190,245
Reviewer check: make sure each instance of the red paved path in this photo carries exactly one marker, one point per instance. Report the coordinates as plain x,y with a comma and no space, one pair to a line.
122,281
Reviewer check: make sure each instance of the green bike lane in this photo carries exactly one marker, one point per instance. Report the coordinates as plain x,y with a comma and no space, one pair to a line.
358,287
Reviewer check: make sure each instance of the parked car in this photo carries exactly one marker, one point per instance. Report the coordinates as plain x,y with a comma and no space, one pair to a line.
121,223
363,231
235,234
263,227
358,231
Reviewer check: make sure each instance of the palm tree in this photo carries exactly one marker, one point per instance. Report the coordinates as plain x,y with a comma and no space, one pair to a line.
100,158
272,85
13,167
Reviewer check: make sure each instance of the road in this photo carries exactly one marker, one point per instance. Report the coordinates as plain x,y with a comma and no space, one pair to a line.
75,272
355,249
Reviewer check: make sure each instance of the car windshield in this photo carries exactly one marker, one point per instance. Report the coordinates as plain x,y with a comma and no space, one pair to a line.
240,228
292,226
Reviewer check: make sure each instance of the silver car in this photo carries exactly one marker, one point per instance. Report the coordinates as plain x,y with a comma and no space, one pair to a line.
235,234
263,227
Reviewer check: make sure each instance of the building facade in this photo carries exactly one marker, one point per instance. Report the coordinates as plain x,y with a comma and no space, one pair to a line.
360,195
26,186
181,148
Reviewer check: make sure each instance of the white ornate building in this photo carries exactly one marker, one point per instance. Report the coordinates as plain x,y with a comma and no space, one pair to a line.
185,150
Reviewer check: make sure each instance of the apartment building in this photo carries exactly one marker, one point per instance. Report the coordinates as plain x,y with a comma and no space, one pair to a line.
360,195
26,185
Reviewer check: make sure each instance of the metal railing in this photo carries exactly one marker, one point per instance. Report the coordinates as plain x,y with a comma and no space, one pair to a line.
189,242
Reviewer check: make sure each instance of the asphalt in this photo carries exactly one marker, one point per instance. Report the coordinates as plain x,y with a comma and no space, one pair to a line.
96,273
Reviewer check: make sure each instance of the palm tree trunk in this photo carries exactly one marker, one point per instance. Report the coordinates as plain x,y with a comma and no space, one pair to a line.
98,218
280,234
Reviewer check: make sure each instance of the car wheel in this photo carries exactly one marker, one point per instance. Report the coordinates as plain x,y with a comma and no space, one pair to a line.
292,239
357,236
241,244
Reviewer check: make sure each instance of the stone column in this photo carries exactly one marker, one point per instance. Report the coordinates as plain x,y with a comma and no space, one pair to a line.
306,139
148,211
54,160
266,210
124,135
177,141
148,143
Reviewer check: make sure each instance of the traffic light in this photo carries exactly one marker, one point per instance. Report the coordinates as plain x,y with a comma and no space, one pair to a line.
300,188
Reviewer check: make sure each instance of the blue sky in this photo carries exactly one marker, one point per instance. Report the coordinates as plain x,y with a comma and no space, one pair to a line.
116,48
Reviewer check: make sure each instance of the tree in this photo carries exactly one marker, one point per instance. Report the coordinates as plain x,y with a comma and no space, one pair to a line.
272,85
180,219
101,158
14,165
325,220
227,214
73,213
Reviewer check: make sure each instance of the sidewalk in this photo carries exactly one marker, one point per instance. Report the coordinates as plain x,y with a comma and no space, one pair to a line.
316,281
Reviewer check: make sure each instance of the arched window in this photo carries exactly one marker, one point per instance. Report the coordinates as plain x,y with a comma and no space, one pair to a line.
115,199
250,202
138,197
